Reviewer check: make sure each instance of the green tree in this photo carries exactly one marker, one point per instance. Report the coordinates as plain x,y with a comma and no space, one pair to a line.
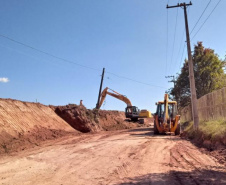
208,68
208,71
181,91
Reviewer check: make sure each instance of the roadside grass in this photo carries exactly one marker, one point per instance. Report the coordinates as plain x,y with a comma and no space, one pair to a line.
211,130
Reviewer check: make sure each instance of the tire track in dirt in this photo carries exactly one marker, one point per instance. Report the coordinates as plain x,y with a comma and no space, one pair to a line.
121,157
185,160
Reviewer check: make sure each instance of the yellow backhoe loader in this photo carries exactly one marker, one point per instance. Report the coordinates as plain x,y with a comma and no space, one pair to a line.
131,111
166,119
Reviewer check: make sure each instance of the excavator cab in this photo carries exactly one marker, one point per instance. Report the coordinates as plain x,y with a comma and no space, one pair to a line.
166,119
132,112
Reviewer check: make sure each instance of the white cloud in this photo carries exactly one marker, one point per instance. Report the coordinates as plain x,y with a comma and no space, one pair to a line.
4,80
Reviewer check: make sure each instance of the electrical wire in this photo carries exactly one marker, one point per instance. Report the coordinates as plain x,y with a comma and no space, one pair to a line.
130,79
200,17
175,29
182,43
49,54
206,19
167,39
182,54
75,63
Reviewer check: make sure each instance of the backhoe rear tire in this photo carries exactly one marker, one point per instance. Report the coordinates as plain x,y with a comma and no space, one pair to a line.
155,128
177,131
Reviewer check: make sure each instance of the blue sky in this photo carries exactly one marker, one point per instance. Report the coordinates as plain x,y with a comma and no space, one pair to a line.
127,37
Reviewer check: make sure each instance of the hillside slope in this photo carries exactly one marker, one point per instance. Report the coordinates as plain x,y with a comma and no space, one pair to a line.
28,121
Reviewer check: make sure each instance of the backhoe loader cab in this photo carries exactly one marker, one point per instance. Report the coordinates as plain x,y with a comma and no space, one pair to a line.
166,119
172,110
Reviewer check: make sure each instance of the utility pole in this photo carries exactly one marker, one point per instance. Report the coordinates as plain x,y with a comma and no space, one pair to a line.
102,78
172,80
191,68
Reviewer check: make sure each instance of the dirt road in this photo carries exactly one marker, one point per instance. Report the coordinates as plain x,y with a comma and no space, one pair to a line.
119,157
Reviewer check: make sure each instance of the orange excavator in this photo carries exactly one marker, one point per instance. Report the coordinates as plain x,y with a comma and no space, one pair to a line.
131,111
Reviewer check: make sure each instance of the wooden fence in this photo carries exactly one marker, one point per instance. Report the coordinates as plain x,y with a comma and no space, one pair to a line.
211,106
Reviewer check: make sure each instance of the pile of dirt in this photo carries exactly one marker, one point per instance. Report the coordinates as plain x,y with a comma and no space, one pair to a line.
24,124
80,118
86,120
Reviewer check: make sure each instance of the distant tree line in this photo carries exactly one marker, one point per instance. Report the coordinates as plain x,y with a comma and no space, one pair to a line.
209,73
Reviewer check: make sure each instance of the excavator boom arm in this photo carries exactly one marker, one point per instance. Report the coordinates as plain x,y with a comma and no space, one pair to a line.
115,95
121,97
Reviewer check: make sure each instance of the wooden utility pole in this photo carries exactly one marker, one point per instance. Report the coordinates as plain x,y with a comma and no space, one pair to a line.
191,68
101,83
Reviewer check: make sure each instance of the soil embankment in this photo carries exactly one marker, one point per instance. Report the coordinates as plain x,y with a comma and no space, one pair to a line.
211,140
25,124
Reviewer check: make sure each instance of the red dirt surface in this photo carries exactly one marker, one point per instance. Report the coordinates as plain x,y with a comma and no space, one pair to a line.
216,148
122,157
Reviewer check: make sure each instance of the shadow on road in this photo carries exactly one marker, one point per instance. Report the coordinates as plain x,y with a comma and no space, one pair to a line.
141,129
149,132
179,178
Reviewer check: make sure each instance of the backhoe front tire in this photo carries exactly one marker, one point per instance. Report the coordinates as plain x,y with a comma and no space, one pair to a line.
155,128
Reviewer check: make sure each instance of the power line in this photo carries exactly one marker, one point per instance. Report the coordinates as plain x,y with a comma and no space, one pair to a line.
175,29
46,53
133,80
200,17
206,19
182,43
167,38
75,63
182,54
